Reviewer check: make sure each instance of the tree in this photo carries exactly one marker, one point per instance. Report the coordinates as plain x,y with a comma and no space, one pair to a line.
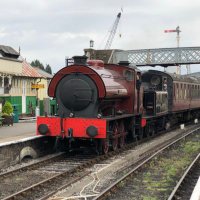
7,108
37,63
48,69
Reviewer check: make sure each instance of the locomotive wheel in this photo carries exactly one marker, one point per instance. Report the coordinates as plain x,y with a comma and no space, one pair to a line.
105,146
153,129
140,134
123,136
115,139
146,130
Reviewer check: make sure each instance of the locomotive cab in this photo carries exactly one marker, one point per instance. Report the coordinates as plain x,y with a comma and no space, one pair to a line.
155,102
156,96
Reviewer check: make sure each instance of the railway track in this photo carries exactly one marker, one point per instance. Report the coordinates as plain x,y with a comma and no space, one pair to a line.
51,175
47,176
187,182
121,188
31,165
20,183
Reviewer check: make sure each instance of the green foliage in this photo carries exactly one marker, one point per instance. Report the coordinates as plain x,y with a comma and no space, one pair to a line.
37,63
148,198
191,147
7,109
48,69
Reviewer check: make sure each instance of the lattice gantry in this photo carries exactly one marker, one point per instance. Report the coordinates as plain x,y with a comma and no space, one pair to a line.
163,57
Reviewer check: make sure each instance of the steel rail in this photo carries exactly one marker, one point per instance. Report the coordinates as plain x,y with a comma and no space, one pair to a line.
172,195
141,162
31,165
21,193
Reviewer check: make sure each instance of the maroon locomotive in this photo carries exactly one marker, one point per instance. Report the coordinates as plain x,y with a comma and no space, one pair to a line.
104,104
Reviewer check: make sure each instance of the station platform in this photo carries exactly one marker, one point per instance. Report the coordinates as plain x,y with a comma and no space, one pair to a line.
23,129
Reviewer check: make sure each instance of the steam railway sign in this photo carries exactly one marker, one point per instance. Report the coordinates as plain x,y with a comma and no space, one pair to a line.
37,86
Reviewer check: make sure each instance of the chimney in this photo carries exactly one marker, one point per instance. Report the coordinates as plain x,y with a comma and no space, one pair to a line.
80,60
124,63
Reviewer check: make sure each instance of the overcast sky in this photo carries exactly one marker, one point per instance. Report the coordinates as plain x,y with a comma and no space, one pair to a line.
50,30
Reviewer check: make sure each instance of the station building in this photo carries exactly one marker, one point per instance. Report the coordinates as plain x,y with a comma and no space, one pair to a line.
46,104
20,83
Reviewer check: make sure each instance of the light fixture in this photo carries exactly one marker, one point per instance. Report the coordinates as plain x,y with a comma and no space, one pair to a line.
91,43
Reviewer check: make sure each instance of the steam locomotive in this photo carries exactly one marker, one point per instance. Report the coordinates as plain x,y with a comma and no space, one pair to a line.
108,104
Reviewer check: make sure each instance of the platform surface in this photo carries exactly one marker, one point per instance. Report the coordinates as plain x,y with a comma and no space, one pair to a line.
18,131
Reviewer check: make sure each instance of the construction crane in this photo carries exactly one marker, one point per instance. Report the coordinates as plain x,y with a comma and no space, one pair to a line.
112,32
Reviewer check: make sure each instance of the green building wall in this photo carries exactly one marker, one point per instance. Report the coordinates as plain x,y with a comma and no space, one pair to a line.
30,104
41,107
17,100
54,107
13,100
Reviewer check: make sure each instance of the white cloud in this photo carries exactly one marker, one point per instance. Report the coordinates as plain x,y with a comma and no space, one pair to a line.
50,30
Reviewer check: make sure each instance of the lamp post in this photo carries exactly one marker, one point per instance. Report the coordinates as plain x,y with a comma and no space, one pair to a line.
91,43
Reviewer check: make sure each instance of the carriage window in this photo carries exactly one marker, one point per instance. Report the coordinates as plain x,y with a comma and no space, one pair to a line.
174,87
177,91
181,91
158,97
185,92
189,91
195,91
192,90
198,90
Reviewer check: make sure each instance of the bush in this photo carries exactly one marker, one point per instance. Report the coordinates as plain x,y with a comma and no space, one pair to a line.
7,109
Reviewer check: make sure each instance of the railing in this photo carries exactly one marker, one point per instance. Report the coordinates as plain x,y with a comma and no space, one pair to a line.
162,56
